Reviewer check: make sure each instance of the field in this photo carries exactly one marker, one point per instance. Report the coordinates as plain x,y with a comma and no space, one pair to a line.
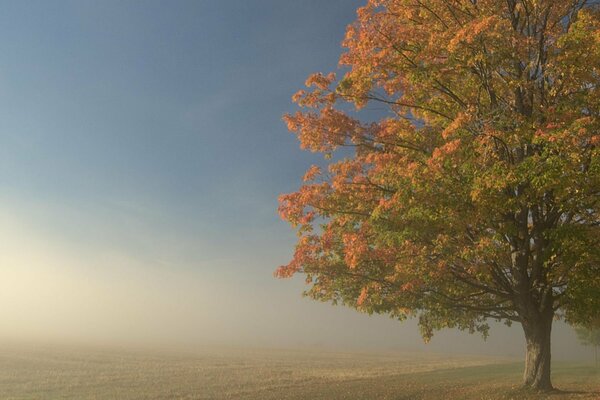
51,373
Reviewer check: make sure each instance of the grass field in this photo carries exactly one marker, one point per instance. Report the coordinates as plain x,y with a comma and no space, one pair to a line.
50,373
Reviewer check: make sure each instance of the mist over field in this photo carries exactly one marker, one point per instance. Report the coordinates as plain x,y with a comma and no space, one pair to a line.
120,280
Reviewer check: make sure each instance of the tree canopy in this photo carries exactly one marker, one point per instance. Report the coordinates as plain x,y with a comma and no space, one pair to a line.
476,195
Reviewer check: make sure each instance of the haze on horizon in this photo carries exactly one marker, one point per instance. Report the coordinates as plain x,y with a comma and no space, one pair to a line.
142,156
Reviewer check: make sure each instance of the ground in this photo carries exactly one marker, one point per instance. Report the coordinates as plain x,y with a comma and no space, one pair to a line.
99,374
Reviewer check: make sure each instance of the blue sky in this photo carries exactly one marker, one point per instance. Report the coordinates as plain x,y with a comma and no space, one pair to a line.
179,103
141,156
169,108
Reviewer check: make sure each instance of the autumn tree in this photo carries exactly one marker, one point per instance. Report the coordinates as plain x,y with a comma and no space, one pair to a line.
475,196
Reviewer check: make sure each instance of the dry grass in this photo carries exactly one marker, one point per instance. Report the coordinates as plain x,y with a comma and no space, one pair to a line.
260,374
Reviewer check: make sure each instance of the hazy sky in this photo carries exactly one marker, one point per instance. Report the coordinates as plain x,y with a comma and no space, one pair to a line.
141,156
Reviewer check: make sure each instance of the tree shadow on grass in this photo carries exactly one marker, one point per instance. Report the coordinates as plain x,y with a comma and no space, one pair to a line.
522,392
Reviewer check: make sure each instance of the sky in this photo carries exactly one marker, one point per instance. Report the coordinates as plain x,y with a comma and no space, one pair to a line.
141,155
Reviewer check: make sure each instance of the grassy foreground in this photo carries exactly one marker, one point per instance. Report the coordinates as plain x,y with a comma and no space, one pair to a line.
44,373
489,382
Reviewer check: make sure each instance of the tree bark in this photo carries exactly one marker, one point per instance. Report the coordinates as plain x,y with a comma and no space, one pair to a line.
537,360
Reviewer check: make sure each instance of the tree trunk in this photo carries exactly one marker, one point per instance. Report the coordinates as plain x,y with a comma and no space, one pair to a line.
537,360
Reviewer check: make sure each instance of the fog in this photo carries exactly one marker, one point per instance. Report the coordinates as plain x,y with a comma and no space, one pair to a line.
56,288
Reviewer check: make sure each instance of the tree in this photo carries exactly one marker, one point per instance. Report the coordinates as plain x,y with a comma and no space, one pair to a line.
475,196
589,335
